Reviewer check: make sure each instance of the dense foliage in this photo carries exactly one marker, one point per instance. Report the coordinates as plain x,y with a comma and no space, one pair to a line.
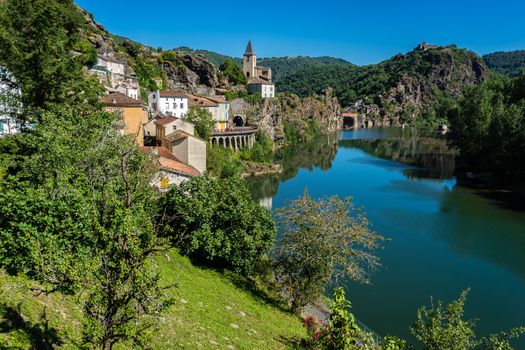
218,223
77,205
203,121
321,240
509,63
233,72
488,127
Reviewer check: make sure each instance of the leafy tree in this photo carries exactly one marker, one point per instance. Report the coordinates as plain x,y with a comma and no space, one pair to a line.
321,240
223,162
232,72
443,327
488,128
77,206
40,35
218,223
203,121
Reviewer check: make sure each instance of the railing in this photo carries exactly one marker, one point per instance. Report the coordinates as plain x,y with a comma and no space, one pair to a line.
236,130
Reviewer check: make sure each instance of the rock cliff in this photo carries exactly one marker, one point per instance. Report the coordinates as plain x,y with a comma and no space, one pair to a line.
320,111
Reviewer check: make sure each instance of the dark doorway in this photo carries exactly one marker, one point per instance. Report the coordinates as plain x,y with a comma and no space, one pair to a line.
238,121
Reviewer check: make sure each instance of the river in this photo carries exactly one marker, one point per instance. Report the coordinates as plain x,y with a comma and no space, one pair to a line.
442,238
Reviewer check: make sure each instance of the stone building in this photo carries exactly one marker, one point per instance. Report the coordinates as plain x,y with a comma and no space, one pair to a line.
171,170
134,114
259,78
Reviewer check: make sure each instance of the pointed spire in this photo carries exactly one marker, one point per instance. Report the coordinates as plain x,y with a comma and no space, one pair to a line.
249,49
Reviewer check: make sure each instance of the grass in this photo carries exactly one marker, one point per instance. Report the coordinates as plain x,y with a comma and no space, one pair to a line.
210,312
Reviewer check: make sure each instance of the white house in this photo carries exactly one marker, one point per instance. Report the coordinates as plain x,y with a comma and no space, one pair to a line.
264,87
171,103
171,170
112,65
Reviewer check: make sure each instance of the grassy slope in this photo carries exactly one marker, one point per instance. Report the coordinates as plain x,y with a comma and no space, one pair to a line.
207,310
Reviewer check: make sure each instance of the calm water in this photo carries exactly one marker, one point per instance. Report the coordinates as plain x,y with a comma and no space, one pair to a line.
442,238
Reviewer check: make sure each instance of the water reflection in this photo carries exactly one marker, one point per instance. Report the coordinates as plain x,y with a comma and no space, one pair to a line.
318,153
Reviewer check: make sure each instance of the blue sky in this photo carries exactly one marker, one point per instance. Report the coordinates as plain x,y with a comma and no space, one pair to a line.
362,32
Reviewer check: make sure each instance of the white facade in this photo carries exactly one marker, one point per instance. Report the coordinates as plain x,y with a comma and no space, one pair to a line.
266,90
111,65
168,103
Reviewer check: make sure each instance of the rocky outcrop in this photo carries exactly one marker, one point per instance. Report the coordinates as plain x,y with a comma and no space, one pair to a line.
421,78
190,73
321,111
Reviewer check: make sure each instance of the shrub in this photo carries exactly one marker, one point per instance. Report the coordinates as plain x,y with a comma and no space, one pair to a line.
218,223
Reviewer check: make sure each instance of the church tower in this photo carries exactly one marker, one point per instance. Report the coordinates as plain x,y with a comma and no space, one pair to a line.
249,61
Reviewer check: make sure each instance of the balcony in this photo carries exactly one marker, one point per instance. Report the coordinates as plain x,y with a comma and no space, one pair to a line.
240,130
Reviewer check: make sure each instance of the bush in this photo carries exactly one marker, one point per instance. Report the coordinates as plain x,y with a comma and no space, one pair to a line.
341,333
218,223
262,150
322,239
203,121
223,162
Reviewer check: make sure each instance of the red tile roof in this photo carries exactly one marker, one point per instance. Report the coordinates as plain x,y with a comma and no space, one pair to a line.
169,162
165,121
170,93
117,99
201,101
349,114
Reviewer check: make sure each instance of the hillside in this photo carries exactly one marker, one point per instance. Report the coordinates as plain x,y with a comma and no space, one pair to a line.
281,66
397,90
510,63
210,311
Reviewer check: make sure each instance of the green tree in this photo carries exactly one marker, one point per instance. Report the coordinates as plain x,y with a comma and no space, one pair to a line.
203,121
232,72
218,223
442,327
321,240
37,38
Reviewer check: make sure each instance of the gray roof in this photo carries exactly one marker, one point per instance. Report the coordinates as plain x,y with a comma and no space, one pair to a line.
249,49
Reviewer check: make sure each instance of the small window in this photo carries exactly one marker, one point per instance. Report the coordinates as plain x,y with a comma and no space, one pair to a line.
174,127
174,106
182,106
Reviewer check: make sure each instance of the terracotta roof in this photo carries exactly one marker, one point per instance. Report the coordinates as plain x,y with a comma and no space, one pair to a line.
165,121
349,114
256,81
177,135
118,99
201,101
169,162
218,99
172,94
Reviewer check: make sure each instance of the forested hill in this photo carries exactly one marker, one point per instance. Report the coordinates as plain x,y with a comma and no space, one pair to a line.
400,89
281,66
285,66
510,63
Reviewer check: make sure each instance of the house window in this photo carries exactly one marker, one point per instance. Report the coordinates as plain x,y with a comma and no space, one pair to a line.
174,128
182,106
174,106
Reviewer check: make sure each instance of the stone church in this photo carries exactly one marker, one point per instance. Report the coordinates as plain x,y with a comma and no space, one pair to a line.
259,78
